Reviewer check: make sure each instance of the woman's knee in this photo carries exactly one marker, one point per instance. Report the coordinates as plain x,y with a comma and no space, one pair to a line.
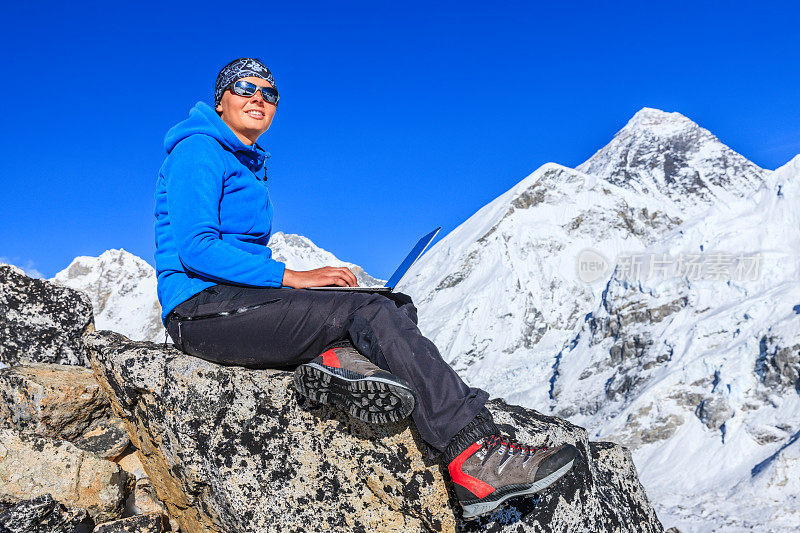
405,305
380,307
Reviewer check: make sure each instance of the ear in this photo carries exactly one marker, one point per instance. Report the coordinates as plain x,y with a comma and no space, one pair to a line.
218,109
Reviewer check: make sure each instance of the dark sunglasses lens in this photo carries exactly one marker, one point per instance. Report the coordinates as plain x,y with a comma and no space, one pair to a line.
270,95
244,88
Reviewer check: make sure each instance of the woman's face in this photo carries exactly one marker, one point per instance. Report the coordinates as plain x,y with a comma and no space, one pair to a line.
247,116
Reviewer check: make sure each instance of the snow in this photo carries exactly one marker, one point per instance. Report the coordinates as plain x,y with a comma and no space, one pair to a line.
299,253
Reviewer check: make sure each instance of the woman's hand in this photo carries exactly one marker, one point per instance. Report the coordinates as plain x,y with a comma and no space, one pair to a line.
319,277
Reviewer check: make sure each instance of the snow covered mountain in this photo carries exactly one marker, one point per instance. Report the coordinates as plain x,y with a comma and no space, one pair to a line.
533,298
505,283
122,287
699,373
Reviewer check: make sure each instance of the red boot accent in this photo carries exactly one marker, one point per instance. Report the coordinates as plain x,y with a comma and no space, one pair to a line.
474,485
329,358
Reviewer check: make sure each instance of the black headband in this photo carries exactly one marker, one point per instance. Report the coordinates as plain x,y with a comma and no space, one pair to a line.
238,69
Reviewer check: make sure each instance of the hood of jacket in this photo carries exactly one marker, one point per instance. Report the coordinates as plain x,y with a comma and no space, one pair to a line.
203,120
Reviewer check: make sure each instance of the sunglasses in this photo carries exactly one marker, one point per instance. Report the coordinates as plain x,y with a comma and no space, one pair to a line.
245,88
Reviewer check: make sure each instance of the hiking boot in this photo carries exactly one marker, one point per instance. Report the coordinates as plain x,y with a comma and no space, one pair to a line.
494,469
343,376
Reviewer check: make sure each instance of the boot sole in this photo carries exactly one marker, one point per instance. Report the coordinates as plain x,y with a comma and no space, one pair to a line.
371,399
479,509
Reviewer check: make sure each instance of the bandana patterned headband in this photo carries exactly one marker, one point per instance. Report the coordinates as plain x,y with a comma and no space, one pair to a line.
238,69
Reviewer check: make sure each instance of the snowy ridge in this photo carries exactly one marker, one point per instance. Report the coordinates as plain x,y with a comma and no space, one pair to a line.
504,284
701,377
299,253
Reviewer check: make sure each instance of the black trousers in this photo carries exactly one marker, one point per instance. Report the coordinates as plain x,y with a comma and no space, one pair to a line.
284,327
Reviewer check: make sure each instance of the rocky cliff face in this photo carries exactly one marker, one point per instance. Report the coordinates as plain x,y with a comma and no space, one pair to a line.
32,466
712,362
503,289
232,449
41,322
59,440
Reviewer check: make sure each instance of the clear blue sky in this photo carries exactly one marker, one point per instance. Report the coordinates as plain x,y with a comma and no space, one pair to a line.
395,117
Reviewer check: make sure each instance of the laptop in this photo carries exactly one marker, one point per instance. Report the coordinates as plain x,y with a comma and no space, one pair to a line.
410,259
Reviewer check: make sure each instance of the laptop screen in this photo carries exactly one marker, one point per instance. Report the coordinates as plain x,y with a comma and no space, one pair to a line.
415,253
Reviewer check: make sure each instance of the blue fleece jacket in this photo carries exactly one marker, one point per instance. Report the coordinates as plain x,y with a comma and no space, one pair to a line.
213,212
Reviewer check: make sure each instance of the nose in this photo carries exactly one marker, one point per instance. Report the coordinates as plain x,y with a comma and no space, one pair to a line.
258,96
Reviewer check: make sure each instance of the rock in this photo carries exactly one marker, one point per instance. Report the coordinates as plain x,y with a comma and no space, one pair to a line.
107,439
616,471
143,523
263,457
145,499
232,449
52,400
43,514
778,366
714,412
129,461
31,465
41,321
666,154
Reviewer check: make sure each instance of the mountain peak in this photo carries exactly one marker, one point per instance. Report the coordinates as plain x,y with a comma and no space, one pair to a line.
113,263
670,157
122,288
300,253
658,122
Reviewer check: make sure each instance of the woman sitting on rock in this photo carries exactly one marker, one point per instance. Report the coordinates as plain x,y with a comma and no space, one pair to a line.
226,300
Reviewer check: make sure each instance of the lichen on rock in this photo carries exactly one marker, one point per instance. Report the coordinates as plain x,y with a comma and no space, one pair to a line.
43,514
143,523
42,322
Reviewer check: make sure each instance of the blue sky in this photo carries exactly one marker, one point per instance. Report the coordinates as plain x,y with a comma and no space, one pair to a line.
394,117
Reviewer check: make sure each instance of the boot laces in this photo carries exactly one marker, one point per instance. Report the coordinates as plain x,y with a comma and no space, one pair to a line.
513,447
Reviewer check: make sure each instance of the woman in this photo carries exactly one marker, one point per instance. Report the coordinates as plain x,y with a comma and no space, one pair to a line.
226,300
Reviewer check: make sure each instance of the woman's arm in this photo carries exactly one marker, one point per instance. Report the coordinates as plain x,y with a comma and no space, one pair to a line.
320,277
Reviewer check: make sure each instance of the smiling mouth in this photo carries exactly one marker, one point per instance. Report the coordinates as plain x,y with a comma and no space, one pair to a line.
255,114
